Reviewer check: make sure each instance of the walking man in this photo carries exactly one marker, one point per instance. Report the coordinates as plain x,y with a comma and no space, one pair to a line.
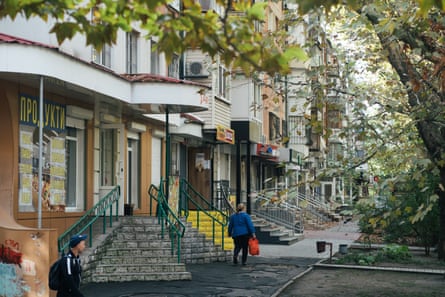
71,269
241,229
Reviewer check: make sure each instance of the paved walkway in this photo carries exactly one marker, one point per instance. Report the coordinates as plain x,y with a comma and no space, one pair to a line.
264,276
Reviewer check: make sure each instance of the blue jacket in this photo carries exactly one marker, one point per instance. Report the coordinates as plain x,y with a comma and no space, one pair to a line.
240,224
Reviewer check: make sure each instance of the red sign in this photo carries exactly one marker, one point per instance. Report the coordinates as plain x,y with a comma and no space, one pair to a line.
267,150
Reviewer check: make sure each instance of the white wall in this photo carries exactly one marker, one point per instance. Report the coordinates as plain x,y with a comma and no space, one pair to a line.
242,98
37,30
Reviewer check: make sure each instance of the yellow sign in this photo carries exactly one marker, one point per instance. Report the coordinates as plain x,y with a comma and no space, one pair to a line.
53,113
225,134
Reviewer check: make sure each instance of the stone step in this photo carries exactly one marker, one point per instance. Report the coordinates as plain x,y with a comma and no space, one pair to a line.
141,244
139,268
157,276
135,260
137,252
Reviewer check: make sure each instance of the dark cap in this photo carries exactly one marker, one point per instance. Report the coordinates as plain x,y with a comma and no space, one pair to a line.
76,239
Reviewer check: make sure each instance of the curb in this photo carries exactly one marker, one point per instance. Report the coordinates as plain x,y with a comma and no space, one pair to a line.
288,283
377,268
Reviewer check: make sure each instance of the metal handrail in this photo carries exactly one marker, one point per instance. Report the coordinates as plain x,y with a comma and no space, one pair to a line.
90,217
167,217
279,212
223,201
190,195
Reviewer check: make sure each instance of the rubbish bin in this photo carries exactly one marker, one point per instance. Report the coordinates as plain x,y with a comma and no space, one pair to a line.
128,209
343,249
321,246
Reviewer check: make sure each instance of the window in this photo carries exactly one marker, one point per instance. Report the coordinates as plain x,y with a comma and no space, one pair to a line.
154,59
222,82
108,157
274,127
132,52
334,119
257,100
102,57
335,153
297,130
62,163
75,169
173,68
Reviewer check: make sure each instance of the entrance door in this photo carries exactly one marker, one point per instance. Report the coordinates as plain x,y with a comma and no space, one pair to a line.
200,171
156,158
133,171
112,160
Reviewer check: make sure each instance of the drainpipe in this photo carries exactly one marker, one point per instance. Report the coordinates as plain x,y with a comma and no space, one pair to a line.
41,123
167,153
238,170
248,179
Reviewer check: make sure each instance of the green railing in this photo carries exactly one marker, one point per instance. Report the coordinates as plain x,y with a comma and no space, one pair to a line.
191,197
167,217
90,217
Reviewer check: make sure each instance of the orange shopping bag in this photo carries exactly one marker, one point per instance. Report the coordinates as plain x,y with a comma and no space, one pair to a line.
254,246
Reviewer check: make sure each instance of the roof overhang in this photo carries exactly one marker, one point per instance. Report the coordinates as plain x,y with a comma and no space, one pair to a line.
25,63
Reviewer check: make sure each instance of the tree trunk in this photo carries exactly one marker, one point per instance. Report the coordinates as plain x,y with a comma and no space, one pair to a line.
429,129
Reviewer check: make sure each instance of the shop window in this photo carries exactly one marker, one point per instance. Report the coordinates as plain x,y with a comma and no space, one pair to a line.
63,159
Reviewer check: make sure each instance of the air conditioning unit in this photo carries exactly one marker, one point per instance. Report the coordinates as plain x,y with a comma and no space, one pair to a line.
196,69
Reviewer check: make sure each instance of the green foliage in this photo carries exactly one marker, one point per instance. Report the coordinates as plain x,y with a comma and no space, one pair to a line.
396,253
390,253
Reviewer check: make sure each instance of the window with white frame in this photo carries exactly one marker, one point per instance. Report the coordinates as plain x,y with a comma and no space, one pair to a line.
257,101
132,52
154,59
102,57
173,68
223,78
335,153
75,169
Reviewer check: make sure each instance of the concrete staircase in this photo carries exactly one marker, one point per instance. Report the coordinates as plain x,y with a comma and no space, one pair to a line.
196,248
134,251
270,233
206,227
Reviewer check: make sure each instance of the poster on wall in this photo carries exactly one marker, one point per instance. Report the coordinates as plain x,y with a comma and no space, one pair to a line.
53,155
173,195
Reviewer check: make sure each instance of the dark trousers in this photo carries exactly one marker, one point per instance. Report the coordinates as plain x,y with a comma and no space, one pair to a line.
241,243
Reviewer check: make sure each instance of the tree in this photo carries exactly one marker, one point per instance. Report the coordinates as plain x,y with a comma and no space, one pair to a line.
411,37
231,35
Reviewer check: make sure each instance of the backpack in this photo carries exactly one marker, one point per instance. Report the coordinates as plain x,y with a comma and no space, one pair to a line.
55,274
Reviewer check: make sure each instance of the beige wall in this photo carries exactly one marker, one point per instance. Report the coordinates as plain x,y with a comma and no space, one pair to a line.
26,252
18,230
